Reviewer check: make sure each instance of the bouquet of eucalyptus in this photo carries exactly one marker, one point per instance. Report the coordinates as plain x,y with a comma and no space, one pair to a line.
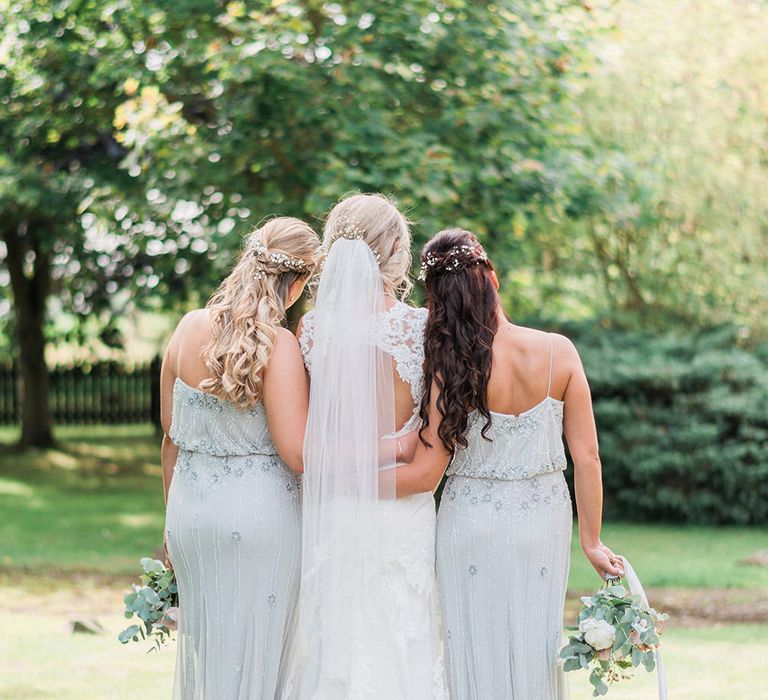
617,632
155,602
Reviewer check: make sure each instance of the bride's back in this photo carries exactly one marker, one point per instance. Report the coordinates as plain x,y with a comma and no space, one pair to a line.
368,558
400,334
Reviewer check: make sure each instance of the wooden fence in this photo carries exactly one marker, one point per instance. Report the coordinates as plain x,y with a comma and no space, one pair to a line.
104,392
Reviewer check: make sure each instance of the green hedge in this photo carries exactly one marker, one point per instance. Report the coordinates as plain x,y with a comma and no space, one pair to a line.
683,425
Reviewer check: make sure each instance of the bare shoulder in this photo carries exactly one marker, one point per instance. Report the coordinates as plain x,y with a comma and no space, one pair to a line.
564,347
527,338
193,321
537,341
189,325
285,340
284,359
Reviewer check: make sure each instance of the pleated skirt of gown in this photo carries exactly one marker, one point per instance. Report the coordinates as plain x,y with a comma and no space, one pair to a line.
234,537
503,551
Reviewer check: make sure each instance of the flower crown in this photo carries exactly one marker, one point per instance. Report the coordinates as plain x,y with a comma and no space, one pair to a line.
454,259
268,263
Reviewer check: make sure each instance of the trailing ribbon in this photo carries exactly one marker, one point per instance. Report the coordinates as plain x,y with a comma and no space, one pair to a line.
636,588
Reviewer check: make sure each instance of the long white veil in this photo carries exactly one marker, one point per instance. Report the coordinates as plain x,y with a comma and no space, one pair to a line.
339,650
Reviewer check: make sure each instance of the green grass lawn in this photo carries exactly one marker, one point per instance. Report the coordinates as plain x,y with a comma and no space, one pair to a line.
680,556
96,502
40,658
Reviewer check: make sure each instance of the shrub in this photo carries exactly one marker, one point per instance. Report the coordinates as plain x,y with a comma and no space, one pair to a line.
683,424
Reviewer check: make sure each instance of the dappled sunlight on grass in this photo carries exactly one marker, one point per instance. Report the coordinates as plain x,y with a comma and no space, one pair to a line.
12,487
62,460
154,470
137,520
108,511
97,500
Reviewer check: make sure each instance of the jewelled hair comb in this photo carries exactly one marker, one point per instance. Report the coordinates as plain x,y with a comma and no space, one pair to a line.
349,229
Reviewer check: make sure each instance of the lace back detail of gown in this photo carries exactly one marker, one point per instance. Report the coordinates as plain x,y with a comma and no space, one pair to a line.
400,333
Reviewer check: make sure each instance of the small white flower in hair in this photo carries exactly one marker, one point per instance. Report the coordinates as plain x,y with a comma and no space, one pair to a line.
274,263
455,258
349,229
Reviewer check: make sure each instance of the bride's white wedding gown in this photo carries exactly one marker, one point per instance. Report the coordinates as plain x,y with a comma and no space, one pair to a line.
411,622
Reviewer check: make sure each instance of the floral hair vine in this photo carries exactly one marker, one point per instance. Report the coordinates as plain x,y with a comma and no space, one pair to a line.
454,259
274,263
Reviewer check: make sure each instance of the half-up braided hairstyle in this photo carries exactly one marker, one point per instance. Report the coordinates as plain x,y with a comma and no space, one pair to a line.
248,307
376,220
462,323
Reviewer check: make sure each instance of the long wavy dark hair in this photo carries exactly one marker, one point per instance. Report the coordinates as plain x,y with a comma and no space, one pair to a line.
462,323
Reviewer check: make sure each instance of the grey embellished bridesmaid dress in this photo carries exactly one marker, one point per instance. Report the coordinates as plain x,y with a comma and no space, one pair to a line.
503,543
233,528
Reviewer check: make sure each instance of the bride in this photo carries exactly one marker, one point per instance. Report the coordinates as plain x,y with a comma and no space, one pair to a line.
368,624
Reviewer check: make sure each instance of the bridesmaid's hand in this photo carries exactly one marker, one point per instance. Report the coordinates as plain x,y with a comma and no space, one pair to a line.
604,561
406,446
166,558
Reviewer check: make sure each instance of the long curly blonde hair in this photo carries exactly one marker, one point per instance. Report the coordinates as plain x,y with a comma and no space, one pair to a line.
378,222
250,304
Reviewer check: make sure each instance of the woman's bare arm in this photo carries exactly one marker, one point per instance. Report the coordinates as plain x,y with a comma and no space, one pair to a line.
168,451
423,473
581,435
286,399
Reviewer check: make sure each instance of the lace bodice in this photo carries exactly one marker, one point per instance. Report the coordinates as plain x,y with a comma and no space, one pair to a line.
399,332
521,446
206,424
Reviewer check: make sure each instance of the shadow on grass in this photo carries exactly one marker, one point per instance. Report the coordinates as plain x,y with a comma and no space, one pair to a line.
87,457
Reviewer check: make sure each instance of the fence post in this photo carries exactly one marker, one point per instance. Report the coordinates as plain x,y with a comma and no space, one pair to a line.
154,383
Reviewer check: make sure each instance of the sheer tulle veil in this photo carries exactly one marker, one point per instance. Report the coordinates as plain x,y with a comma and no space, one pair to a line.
337,650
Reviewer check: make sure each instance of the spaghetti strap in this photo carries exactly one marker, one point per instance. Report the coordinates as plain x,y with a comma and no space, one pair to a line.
551,359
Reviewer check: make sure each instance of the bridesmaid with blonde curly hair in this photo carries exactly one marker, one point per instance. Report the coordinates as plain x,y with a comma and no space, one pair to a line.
234,399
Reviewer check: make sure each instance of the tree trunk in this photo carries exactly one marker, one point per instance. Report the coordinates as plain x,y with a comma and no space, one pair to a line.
30,292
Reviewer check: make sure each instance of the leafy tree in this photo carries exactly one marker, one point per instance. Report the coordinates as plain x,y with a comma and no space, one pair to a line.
136,138
666,217
460,110
68,239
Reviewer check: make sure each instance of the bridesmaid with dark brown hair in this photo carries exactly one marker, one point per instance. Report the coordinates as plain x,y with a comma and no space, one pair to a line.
498,398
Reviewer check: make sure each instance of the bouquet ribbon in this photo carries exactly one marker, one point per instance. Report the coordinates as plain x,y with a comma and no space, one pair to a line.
636,588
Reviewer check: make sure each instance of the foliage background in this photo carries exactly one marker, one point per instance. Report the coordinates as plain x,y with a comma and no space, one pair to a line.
611,156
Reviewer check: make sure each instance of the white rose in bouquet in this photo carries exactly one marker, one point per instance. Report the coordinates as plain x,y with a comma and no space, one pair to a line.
618,631
599,634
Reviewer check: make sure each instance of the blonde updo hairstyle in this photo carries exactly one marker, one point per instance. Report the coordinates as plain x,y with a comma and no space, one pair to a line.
250,305
384,228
